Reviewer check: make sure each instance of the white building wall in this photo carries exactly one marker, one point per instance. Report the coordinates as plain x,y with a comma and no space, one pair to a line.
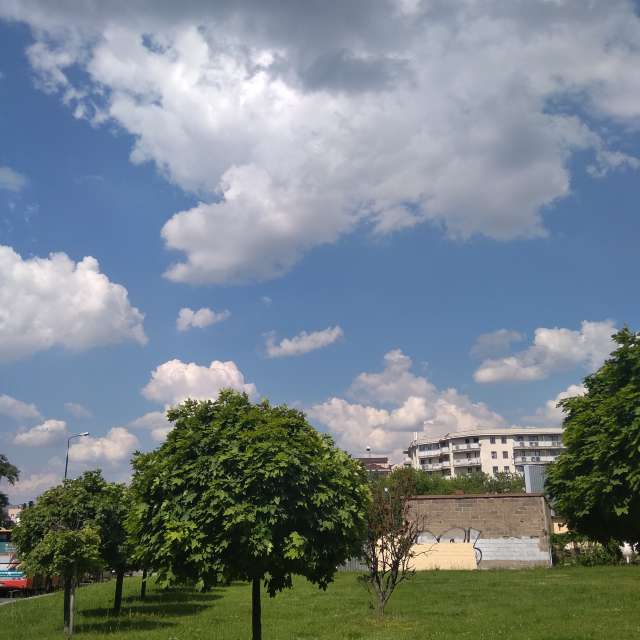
472,451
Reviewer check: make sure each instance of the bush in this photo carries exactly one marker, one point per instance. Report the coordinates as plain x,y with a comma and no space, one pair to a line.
575,549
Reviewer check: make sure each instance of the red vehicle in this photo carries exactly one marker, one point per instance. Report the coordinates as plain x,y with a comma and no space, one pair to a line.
11,578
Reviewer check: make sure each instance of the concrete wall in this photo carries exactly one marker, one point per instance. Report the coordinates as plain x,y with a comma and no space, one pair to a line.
508,530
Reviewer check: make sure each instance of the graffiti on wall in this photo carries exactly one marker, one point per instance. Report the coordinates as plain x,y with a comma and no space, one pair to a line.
453,535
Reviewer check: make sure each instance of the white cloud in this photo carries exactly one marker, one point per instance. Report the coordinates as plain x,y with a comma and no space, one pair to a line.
551,414
552,350
77,410
42,435
188,318
495,343
155,422
32,485
17,409
113,448
302,343
46,302
295,125
414,404
394,384
11,180
175,381
266,300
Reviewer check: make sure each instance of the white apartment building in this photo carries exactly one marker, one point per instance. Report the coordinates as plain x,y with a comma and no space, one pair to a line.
485,450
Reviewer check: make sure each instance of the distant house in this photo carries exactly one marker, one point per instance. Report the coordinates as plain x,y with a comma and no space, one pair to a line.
13,513
376,466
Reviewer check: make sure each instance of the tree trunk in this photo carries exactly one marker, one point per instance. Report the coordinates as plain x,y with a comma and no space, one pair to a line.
117,601
67,606
72,605
256,613
143,586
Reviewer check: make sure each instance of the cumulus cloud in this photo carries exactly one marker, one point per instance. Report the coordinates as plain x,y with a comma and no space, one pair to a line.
113,448
77,410
42,435
17,409
552,350
495,343
30,486
174,381
302,343
188,318
54,301
11,180
551,414
295,124
398,404
155,422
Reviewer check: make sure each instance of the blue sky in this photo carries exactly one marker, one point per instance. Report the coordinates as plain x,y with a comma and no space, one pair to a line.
378,188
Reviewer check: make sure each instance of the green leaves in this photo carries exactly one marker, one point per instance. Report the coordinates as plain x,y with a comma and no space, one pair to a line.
263,492
595,483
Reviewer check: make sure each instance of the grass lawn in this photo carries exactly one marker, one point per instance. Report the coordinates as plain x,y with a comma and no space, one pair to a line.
559,604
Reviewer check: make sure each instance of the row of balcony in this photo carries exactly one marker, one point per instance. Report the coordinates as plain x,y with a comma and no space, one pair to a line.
445,464
523,459
517,444
539,444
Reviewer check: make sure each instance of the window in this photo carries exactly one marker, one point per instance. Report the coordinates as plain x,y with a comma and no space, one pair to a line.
476,440
423,447
492,439
495,469
506,469
494,455
505,454
503,439
466,440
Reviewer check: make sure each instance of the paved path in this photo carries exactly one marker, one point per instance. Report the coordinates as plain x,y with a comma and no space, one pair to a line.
18,599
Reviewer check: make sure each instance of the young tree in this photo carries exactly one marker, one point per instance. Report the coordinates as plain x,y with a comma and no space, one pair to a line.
595,482
9,473
75,508
54,538
392,531
246,492
111,503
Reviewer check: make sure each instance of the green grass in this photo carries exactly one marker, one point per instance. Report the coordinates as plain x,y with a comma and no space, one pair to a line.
559,604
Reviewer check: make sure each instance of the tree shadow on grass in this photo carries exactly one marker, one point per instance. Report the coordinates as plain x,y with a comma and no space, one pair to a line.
122,625
158,608
175,596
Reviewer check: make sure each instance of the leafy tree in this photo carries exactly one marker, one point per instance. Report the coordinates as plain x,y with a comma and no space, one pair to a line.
10,474
54,538
246,492
475,483
595,482
111,502
391,535
87,509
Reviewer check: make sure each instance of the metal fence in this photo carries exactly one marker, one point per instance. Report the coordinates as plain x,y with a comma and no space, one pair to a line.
354,564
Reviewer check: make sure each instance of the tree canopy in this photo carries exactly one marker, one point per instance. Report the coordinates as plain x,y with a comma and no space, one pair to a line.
9,473
595,482
75,527
473,483
243,491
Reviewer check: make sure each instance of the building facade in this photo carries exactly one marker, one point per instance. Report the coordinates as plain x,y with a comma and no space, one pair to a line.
489,451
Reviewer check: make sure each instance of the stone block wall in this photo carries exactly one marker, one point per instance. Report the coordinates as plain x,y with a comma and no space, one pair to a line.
507,530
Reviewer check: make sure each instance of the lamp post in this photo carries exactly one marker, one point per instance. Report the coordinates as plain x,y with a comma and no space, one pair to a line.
69,439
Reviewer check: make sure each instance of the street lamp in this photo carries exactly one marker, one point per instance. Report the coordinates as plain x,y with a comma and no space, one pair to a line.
69,439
